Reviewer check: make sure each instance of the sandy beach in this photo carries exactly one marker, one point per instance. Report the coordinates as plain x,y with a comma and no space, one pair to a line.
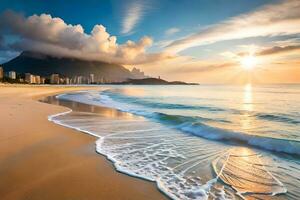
42,160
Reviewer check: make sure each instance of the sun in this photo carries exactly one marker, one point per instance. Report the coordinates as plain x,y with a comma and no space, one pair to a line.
249,62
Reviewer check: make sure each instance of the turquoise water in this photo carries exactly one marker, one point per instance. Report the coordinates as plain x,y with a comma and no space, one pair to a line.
202,142
270,111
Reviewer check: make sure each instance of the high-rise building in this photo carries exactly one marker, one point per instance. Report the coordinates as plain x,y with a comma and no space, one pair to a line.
79,80
67,81
1,73
37,79
92,78
73,80
54,79
29,78
12,75
43,80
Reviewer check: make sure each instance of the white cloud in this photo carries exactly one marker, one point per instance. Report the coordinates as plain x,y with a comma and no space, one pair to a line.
172,31
133,15
229,54
46,34
277,19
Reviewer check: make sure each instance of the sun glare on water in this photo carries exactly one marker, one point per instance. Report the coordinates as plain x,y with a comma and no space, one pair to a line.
248,62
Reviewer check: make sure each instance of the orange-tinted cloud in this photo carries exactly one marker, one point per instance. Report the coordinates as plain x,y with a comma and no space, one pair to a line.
278,50
282,18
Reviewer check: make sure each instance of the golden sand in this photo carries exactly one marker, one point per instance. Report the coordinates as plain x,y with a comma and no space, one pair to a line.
41,160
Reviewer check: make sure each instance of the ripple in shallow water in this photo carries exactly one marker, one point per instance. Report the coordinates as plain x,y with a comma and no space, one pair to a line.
244,170
185,166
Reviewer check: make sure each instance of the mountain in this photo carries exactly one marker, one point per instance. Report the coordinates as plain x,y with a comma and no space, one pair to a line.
137,73
45,65
153,81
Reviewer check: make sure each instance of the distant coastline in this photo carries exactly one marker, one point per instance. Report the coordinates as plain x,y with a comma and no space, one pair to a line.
152,81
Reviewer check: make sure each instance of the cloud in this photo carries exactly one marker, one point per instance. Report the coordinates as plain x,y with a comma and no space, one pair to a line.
260,51
229,54
4,55
277,19
172,31
201,66
278,50
51,35
133,14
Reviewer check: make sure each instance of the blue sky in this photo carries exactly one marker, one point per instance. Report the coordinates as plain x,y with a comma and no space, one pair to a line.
159,15
171,38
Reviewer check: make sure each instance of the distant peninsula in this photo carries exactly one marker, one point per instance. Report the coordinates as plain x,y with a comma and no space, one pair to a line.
152,81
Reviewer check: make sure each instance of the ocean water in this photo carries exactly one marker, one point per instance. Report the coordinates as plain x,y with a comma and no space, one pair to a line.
199,142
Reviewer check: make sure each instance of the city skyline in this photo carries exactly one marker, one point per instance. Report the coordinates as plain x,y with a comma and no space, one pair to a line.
55,78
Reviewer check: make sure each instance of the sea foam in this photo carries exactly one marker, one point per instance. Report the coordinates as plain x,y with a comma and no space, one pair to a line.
192,125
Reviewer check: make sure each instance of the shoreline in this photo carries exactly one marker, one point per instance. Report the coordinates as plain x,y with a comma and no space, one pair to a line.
42,160
50,118
86,127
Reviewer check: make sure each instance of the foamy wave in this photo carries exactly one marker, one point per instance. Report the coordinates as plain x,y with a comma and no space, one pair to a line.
268,143
180,164
152,167
191,124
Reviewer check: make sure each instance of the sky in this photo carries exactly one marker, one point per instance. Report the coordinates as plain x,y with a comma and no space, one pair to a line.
204,41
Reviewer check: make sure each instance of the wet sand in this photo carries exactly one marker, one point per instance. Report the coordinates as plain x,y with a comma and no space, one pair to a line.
42,160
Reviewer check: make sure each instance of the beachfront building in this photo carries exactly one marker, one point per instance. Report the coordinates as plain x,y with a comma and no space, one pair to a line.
29,78
43,80
91,79
79,80
1,73
67,81
12,75
37,79
54,79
